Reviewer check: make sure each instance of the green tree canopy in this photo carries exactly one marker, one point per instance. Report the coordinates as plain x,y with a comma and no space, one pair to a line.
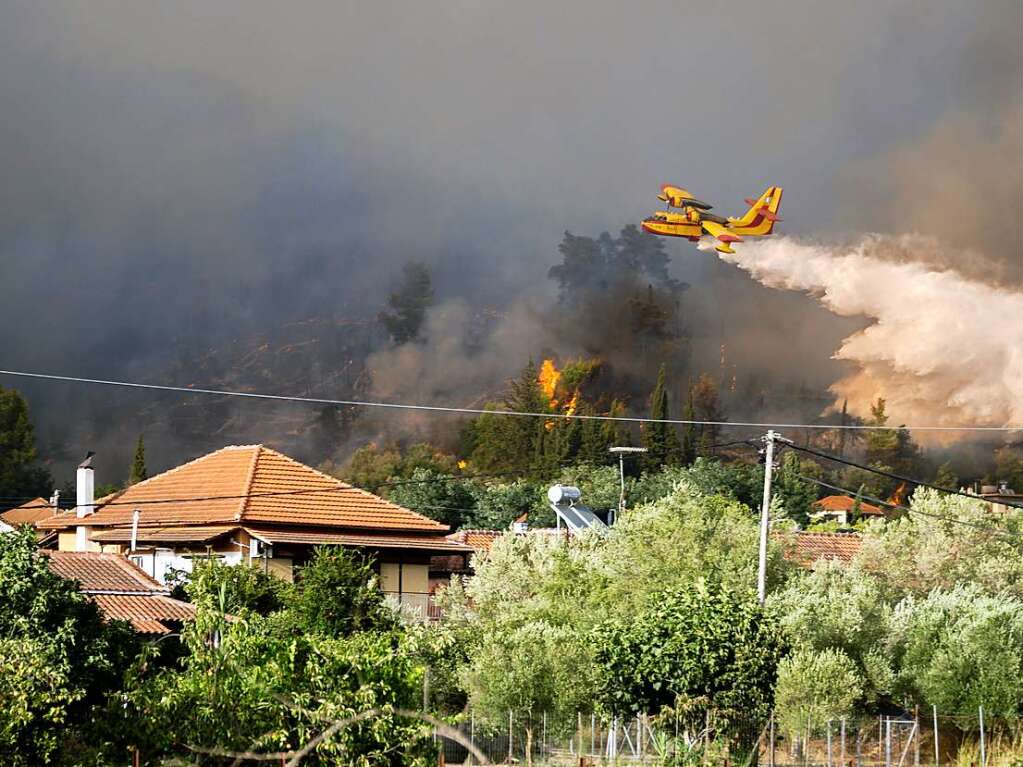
336,595
695,649
661,439
138,465
20,475
60,660
408,304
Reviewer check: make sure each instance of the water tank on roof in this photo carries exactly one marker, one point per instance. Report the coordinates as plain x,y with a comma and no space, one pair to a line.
563,494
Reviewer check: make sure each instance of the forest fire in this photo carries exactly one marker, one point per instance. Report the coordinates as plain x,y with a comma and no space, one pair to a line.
548,379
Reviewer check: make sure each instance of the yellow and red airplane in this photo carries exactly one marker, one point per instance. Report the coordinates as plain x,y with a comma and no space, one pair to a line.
693,220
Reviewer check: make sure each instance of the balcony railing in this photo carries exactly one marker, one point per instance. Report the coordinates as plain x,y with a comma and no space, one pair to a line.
416,604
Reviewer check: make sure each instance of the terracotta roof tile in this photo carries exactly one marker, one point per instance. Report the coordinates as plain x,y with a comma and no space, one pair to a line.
102,572
807,548
147,614
845,503
121,590
478,540
28,513
279,490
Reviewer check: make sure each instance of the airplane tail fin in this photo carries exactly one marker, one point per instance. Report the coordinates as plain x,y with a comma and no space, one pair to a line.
762,215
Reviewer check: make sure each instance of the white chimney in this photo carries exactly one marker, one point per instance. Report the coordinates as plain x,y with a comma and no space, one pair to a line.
85,500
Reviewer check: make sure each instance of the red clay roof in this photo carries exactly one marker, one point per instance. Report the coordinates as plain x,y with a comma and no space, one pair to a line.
478,540
845,503
807,548
28,513
147,614
103,572
250,483
120,589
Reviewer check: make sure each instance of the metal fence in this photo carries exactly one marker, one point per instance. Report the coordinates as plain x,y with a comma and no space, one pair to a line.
910,739
592,740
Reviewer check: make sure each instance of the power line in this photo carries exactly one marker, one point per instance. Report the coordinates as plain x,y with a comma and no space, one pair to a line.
274,493
984,528
482,411
892,475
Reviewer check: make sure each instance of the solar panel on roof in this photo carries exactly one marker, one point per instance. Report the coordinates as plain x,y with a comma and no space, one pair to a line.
578,517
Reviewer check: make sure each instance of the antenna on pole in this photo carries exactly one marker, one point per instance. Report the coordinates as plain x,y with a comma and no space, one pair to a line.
621,451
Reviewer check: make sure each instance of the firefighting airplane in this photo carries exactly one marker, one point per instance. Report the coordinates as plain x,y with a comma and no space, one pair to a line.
693,221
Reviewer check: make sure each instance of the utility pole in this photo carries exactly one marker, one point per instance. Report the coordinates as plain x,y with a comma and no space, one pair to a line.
765,515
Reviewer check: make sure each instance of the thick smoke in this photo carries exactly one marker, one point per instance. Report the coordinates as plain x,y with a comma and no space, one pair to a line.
941,348
180,182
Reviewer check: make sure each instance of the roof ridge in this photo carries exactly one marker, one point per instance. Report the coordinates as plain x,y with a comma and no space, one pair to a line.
347,486
247,487
138,573
172,470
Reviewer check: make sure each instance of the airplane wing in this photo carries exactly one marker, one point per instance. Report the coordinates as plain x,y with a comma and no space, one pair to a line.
722,234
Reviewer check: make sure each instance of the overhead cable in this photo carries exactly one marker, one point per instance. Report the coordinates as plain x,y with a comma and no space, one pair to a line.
513,413
892,475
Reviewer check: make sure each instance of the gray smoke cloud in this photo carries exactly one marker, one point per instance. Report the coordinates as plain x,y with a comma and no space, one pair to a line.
176,179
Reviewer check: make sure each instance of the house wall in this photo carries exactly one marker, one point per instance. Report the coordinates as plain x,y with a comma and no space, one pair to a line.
159,561
67,541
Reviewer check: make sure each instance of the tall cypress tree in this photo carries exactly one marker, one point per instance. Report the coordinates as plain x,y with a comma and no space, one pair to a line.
689,438
661,439
138,465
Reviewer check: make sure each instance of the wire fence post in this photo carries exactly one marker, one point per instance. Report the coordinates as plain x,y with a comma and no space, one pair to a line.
579,731
770,755
937,748
472,734
916,741
880,738
841,748
543,744
829,743
888,742
983,753
510,736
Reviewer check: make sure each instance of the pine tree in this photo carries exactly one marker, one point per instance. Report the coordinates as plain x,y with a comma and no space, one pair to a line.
20,475
409,303
707,407
506,443
689,438
138,465
661,439
946,477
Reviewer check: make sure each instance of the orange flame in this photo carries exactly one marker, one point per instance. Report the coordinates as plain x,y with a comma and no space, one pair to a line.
572,403
898,498
548,379
462,464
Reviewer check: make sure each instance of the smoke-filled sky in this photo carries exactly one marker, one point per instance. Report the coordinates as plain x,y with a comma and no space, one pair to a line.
183,172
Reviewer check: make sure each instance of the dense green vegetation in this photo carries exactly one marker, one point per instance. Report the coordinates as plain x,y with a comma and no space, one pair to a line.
658,617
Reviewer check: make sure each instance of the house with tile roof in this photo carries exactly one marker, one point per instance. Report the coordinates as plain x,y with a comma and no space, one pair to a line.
122,591
27,513
249,504
842,509
807,548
